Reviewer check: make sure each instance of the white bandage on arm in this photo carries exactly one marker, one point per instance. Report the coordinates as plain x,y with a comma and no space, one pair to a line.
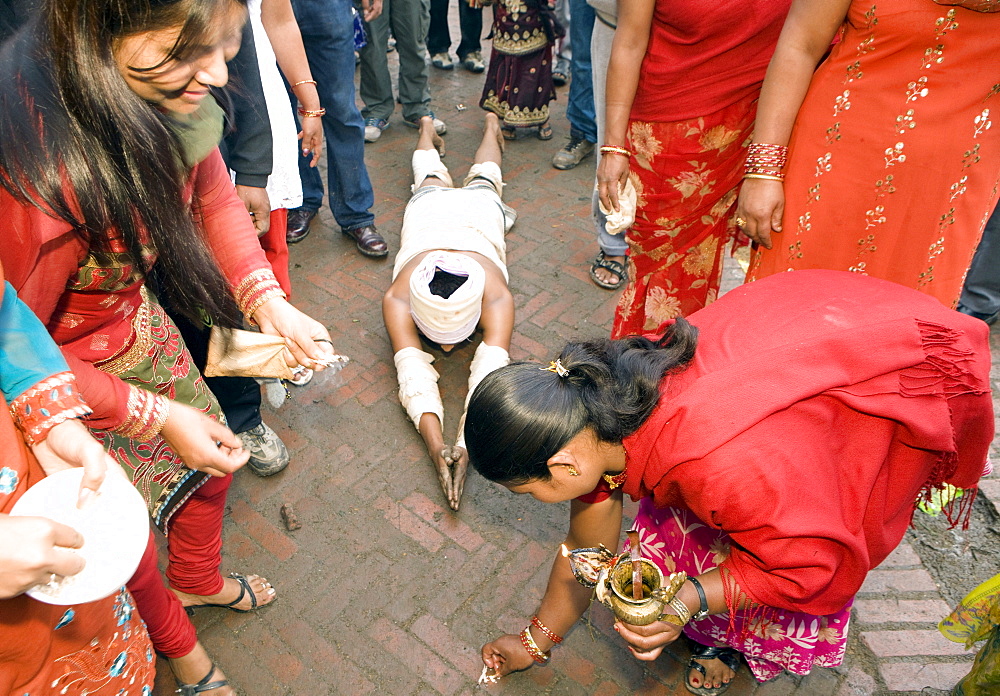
427,163
486,359
418,388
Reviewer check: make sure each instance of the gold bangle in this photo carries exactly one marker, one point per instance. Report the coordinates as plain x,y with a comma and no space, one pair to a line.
614,150
315,113
303,82
764,176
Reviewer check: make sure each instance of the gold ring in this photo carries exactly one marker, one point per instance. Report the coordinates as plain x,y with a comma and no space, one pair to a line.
741,223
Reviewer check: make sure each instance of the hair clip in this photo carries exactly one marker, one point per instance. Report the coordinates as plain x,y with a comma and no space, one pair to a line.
557,367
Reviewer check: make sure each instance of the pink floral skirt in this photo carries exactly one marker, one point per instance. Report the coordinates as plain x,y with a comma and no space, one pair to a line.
677,540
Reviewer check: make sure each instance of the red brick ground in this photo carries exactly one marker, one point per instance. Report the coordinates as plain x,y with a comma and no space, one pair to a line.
383,589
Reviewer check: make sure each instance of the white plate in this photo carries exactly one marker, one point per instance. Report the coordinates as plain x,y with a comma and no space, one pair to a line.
114,525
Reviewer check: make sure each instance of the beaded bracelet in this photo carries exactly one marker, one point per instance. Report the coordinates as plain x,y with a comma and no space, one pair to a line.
549,633
614,150
529,644
303,82
316,113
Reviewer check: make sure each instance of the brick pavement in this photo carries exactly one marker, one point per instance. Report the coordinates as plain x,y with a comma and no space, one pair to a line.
370,505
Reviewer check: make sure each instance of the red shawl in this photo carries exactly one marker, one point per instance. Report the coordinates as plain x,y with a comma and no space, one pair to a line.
818,408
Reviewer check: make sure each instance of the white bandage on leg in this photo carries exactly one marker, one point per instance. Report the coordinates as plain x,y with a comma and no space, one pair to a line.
486,170
418,388
486,359
427,163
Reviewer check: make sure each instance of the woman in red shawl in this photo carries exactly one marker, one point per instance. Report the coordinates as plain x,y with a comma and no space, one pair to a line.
778,443
683,83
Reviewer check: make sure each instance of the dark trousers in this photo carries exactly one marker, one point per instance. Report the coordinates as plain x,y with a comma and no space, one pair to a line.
470,20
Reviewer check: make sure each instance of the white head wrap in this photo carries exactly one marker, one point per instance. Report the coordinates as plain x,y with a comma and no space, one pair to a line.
453,319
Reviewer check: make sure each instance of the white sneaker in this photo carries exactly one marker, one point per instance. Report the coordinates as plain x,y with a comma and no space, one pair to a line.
442,61
374,128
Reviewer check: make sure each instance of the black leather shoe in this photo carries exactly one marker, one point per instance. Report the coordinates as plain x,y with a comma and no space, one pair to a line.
369,241
298,224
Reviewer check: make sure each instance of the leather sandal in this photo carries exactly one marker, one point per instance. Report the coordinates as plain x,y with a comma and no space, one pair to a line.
202,686
244,589
368,240
544,131
728,656
607,264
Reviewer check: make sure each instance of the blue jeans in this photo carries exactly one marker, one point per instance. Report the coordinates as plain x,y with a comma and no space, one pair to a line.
328,35
981,293
580,104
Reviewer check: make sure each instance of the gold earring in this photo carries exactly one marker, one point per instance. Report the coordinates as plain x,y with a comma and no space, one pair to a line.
572,471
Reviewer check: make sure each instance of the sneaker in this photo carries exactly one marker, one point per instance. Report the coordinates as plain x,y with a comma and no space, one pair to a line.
439,126
268,454
374,128
473,62
442,61
572,153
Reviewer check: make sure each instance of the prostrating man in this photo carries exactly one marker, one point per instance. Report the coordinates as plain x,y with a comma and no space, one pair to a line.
450,277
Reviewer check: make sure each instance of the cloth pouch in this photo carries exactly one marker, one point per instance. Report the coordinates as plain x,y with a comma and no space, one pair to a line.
238,353
618,222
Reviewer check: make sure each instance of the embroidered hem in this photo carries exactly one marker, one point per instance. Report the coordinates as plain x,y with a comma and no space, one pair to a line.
47,404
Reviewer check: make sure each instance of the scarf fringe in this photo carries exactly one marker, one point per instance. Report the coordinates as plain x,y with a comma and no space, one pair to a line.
945,370
747,617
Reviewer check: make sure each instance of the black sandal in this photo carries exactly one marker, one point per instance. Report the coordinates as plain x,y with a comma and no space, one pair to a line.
544,131
202,686
728,656
244,588
607,264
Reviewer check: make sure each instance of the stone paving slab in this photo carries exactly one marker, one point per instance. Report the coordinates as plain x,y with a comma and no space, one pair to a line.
384,589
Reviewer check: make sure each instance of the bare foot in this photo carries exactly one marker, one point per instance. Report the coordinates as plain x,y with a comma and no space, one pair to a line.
607,276
262,590
716,674
195,667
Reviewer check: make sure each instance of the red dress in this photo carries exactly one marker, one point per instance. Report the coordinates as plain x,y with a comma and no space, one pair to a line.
691,118
895,155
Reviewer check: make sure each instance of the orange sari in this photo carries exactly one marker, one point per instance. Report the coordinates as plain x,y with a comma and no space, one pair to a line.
894,159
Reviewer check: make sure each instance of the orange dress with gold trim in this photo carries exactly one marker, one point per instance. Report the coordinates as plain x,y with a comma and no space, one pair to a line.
894,159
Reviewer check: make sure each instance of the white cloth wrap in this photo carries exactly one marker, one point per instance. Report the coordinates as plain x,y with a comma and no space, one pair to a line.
418,388
447,320
486,170
486,359
427,163
618,222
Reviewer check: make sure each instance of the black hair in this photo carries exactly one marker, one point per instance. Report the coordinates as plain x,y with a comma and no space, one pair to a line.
444,284
522,414
78,143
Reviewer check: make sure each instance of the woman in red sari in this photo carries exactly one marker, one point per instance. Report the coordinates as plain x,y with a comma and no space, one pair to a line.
99,647
682,91
778,444
110,166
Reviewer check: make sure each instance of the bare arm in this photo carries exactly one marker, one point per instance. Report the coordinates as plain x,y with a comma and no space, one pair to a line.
805,38
635,18
498,313
565,599
283,32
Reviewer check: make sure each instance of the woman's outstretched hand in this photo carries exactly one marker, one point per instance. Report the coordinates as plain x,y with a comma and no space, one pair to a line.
612,174
203,444
505,655
761,205
307,340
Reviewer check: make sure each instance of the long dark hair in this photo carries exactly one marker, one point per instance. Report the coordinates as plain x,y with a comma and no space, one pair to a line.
76,142
522,414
